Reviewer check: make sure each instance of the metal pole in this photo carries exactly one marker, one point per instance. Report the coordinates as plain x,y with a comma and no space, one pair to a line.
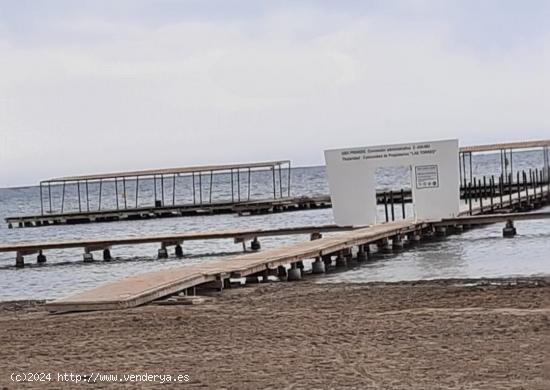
100,189
174,190
137,190
200,187
289,170
162,188
274,188
239,184
470,158
124,192
248,183
87,197
194,196
392,208
50,195
78,188
460,167
232,191
211,181
511,162
280,182
470,196
41,201
385,206
116,192
63,198
155,185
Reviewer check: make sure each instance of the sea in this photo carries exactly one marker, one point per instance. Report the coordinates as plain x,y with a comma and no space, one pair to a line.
476,253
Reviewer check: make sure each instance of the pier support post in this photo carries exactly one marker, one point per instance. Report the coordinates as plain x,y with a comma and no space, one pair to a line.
255,244
362,253
281,272
509,230
397,242
227,283
458,228
341,260
19,260
265,276
383,245
327,259
163,252
178,251
88,256
300,265
428,233
294,273
41,258
415,237
251,279
107,255
440,231
318,267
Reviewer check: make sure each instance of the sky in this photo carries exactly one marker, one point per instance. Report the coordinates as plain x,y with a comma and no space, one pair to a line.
101,86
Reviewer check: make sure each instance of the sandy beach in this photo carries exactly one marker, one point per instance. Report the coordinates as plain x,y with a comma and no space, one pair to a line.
421,335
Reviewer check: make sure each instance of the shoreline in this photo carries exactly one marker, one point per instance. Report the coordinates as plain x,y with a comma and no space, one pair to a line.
447,333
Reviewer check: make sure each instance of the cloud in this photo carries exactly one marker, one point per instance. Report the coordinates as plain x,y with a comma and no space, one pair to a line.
286,84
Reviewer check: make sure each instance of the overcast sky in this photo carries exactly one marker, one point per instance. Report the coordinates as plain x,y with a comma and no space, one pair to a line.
99,86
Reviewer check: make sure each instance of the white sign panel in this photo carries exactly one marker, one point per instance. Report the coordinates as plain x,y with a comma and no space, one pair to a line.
435,181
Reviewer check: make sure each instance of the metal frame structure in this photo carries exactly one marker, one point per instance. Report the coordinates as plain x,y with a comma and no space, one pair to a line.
506,158
158,176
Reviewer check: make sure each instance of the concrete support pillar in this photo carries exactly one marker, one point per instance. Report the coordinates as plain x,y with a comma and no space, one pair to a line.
41,258
300,265
163,252
415,237
509,229
397,242
227,283
294,273
281,272
178,250
428,233
440,231
107,254
255,244
362,253
327,259
19,260
383,245
88,256
341,260
318,267
252,279
265,276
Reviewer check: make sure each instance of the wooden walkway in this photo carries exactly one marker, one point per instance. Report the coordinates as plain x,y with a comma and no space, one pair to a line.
165,240
144,288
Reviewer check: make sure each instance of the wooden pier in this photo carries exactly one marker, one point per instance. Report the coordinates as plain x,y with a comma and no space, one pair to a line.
288,262
165,241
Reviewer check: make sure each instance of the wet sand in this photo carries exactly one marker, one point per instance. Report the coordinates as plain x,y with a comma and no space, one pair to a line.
423,335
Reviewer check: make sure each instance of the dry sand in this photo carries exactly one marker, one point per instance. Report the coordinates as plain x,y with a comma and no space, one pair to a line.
428,335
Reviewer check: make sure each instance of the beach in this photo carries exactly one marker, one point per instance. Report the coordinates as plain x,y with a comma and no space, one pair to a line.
444,334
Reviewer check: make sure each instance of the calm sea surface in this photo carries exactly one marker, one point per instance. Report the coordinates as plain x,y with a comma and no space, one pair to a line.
476,253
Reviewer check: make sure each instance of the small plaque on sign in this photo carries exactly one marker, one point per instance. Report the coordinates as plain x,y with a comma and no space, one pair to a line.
426,176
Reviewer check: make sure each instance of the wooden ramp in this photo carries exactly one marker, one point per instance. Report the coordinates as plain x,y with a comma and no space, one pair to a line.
137,290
